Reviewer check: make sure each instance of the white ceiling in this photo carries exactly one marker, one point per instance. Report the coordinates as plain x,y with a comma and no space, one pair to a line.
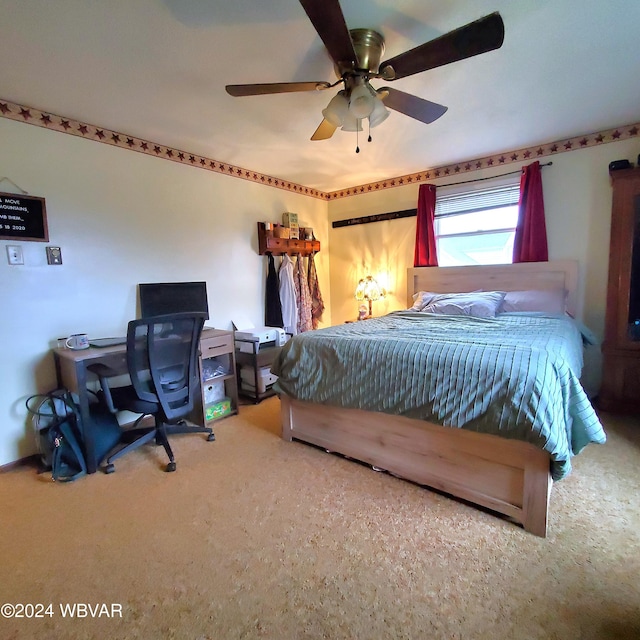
156,69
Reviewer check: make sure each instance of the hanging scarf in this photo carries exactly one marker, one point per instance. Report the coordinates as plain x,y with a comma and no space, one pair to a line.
317,305
303,297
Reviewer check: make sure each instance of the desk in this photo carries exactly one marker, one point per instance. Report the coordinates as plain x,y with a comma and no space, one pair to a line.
71,373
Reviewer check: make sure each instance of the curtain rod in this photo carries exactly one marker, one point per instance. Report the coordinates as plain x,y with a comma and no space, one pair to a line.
510,173
408,213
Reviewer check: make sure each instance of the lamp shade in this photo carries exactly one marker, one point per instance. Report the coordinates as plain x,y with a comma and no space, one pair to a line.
372,289
362,101
337,109
368,289
379,114
351,123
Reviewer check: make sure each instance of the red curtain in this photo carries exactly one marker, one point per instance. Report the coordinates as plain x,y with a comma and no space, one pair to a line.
530,244
425,250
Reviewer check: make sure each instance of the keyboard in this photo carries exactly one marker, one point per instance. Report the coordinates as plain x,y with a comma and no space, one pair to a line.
107,342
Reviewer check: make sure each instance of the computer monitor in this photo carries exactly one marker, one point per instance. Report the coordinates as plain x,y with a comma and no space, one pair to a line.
159,298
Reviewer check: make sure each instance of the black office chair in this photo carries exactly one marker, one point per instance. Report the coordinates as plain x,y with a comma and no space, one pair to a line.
162,362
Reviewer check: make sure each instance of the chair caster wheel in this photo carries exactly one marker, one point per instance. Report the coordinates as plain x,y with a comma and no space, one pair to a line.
110,468
171,467
211,437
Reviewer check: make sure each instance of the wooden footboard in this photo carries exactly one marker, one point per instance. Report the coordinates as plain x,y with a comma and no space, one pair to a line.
507,476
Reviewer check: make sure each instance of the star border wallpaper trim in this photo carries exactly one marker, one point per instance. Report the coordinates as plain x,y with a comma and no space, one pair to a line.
47,120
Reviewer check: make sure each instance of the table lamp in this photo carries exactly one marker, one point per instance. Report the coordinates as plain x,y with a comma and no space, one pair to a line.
368,289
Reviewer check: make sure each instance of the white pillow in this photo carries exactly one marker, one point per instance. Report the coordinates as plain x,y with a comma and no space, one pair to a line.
548,300
480,304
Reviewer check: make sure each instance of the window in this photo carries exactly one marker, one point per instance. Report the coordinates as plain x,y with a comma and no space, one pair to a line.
477,227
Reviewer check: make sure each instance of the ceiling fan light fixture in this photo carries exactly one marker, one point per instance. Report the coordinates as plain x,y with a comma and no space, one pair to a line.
379,114
357,58
337,109
351,123
362,102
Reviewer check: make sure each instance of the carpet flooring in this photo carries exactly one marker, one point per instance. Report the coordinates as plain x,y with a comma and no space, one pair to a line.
254,537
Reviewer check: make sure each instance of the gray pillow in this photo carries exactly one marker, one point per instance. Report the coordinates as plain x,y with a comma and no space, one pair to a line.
549,300
480,304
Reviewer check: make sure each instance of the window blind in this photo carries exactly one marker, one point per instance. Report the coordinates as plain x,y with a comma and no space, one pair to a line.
481,200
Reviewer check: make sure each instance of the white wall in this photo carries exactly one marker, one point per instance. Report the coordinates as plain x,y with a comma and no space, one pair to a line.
577,197
121,218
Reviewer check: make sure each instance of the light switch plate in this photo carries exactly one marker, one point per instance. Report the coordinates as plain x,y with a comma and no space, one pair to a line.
54,255
14,254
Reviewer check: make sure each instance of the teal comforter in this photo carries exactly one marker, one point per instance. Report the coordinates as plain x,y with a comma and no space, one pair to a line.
516,375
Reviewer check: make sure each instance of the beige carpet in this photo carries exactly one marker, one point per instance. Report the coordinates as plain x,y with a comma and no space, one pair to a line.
254,537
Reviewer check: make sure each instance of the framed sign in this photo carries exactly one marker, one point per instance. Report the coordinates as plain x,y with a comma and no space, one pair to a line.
23,218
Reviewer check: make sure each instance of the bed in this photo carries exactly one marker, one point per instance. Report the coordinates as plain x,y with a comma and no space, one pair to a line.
390,391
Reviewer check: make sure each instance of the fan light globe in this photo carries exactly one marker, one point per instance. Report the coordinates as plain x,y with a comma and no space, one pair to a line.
351,123
362,102
379,114
337,109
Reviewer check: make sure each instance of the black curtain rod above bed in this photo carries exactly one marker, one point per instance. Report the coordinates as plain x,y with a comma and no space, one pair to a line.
408,213
501,175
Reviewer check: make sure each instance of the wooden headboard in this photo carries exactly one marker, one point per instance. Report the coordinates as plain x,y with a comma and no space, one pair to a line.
558,274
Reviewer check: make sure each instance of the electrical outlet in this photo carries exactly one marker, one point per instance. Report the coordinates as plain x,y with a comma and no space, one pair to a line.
54,255
14,254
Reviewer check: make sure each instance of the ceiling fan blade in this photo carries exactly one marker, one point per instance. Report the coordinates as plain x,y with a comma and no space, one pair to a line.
411,105
328,20
239,90
485,34
324,131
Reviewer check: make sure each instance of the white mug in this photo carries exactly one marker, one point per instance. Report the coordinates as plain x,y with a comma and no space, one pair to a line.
77,341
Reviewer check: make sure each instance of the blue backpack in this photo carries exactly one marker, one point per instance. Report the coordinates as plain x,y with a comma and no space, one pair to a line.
55,419
57,423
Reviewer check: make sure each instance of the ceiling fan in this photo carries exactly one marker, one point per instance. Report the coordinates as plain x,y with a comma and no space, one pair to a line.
356,54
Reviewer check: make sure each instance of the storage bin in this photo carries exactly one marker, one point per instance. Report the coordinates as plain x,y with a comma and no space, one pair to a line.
218,409
213,392
281,232
265,378
213,367
291,220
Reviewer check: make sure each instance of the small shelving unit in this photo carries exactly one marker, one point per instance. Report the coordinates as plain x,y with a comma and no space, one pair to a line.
217,375
255,360
268,243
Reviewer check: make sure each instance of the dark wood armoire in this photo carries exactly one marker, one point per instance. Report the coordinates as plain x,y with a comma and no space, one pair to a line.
620,391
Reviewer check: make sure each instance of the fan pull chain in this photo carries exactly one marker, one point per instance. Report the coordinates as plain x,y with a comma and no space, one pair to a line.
357,143
369,125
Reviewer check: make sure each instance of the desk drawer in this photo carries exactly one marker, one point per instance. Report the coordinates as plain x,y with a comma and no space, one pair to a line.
217,346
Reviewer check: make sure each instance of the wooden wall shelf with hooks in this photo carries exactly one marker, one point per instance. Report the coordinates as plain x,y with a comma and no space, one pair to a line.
268,243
